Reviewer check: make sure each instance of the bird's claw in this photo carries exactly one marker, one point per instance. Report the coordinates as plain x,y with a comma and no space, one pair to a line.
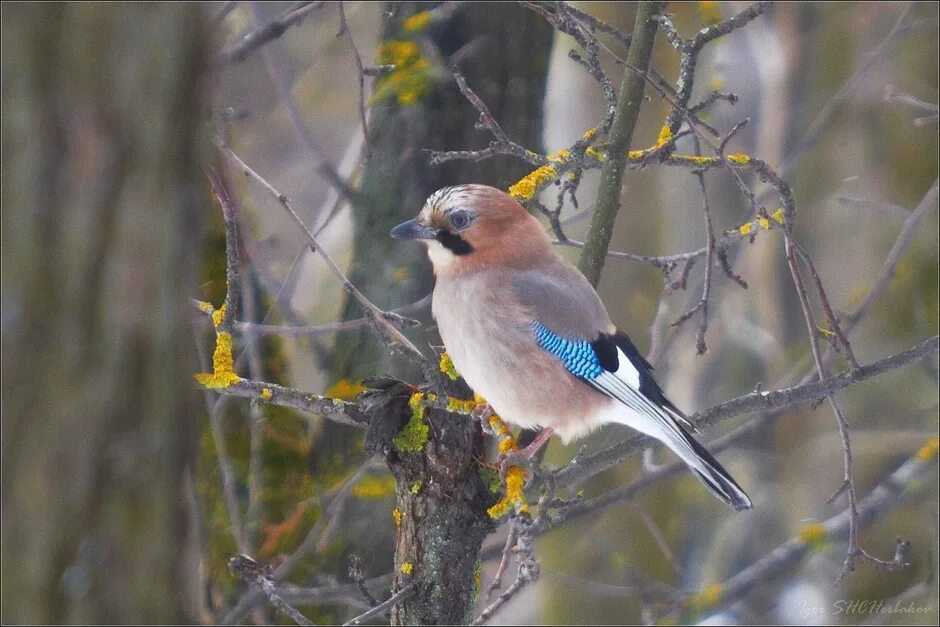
520,459
483,412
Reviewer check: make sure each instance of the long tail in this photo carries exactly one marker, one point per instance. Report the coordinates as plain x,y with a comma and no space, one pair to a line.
707,469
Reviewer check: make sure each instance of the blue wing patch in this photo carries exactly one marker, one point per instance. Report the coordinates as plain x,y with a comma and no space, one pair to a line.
578,356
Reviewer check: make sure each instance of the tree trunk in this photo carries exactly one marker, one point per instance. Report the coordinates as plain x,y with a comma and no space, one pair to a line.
102,212
503,51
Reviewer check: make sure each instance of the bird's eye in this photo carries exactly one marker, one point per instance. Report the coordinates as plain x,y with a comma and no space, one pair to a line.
460,219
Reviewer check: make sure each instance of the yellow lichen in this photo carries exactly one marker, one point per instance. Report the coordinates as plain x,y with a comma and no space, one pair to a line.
826,332
410,80
414,435
706,598
374,487
746,228
813,534
594,152
929,450
460,406
447,367
778,215
204,307
515,476
397,516
665,134
345,389
407,568
417,22
266,393
763,222
218,316
739,158
514,497
589,135
398,52
636,154
532,183
416,487
695,159
223,365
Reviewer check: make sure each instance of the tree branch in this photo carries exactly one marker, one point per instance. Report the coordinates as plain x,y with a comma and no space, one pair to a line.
621,135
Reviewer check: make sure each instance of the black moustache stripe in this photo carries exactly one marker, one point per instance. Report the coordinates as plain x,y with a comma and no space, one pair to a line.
454,243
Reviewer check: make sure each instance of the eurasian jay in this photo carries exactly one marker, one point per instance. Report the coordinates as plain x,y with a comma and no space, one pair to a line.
531,336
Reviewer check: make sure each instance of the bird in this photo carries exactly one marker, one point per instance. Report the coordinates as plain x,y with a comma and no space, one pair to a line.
529,333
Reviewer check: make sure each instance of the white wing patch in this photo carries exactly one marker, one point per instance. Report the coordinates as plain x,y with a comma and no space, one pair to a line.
624,385
626,371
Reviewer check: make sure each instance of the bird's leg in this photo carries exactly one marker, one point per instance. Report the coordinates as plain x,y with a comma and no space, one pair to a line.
523,457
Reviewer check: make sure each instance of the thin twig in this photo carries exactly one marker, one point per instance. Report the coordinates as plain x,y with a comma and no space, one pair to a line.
344,29
249,570
268,32
403,594
275,70
380,317
251,328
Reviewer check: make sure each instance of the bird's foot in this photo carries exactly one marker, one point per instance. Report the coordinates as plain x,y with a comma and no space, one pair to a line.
518,458
524,457
483,412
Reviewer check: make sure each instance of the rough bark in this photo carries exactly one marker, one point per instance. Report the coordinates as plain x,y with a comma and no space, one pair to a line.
441,499
102,209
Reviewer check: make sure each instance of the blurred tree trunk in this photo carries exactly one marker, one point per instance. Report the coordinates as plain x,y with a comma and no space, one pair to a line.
102,204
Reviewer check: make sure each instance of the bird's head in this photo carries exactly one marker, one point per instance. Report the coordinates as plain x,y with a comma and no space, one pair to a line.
468,227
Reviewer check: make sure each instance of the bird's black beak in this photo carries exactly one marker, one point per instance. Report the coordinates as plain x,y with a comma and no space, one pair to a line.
412,229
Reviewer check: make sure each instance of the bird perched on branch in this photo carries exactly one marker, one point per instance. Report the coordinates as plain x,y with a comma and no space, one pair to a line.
530,335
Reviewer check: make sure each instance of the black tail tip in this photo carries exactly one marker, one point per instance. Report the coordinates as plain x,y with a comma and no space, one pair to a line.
725,488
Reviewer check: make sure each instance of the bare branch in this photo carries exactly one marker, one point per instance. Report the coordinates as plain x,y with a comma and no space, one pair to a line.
403,594
344,29
268,32
249,570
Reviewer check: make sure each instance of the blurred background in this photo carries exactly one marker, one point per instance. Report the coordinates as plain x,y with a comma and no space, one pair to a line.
125,492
